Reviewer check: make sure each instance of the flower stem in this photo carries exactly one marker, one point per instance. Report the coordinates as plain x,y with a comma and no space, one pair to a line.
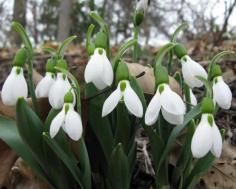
135,50
31,84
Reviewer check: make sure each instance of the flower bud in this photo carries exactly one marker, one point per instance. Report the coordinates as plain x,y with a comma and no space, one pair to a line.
69,98
50,66
61,63
122,72
101,40
207,105
180,51
138,18
20,57
215,71
161,75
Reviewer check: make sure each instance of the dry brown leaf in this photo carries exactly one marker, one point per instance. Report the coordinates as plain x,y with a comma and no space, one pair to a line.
147,81
222,174
7,159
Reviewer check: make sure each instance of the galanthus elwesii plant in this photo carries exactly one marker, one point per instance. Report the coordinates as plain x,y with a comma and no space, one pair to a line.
15,85
90,141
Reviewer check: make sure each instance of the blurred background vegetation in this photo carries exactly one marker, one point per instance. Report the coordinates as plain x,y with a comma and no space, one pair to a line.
50,20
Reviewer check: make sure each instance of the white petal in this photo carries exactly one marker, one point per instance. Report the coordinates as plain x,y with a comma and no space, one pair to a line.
217,141
58,91
44,86
190,70
193,98
202,138
142,5
73,125
57,123
132,101
111,102
153,110
20,88
222,94
175,119
6,94
171,102
107,71
94,70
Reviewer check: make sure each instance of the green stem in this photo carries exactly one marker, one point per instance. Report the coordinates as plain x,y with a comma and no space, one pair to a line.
31,84
135,50
187,97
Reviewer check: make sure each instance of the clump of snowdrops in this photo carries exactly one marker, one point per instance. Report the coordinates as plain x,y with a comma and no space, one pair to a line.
68,152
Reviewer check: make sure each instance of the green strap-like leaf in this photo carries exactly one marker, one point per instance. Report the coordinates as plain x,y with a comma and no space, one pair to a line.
118,169
68,159
9,134
65,43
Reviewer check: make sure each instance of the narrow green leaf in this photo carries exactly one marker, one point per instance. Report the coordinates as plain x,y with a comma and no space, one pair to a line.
30,129
84,164
162,52
65,43
123,128
49,50
97,18
207,84
21,31
178,30
68,159
9,134
118,169
121,52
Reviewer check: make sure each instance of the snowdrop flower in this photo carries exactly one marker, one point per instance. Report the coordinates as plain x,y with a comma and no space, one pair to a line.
58,90
206,138
99,70
44,86
190,70
170,104
68,119
125,93
14,87
142,5
222,94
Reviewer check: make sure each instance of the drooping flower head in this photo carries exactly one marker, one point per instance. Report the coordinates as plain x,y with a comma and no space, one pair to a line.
68,119
123,93
44,86
141,8
190,68
99,70
15,85
59,88
165,100
207,136
222,94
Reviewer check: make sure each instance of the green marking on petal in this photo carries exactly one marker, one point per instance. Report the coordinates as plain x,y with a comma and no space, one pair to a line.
64,77
18,70
100,51
67,106
161,88
122,86
215,80
210,120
